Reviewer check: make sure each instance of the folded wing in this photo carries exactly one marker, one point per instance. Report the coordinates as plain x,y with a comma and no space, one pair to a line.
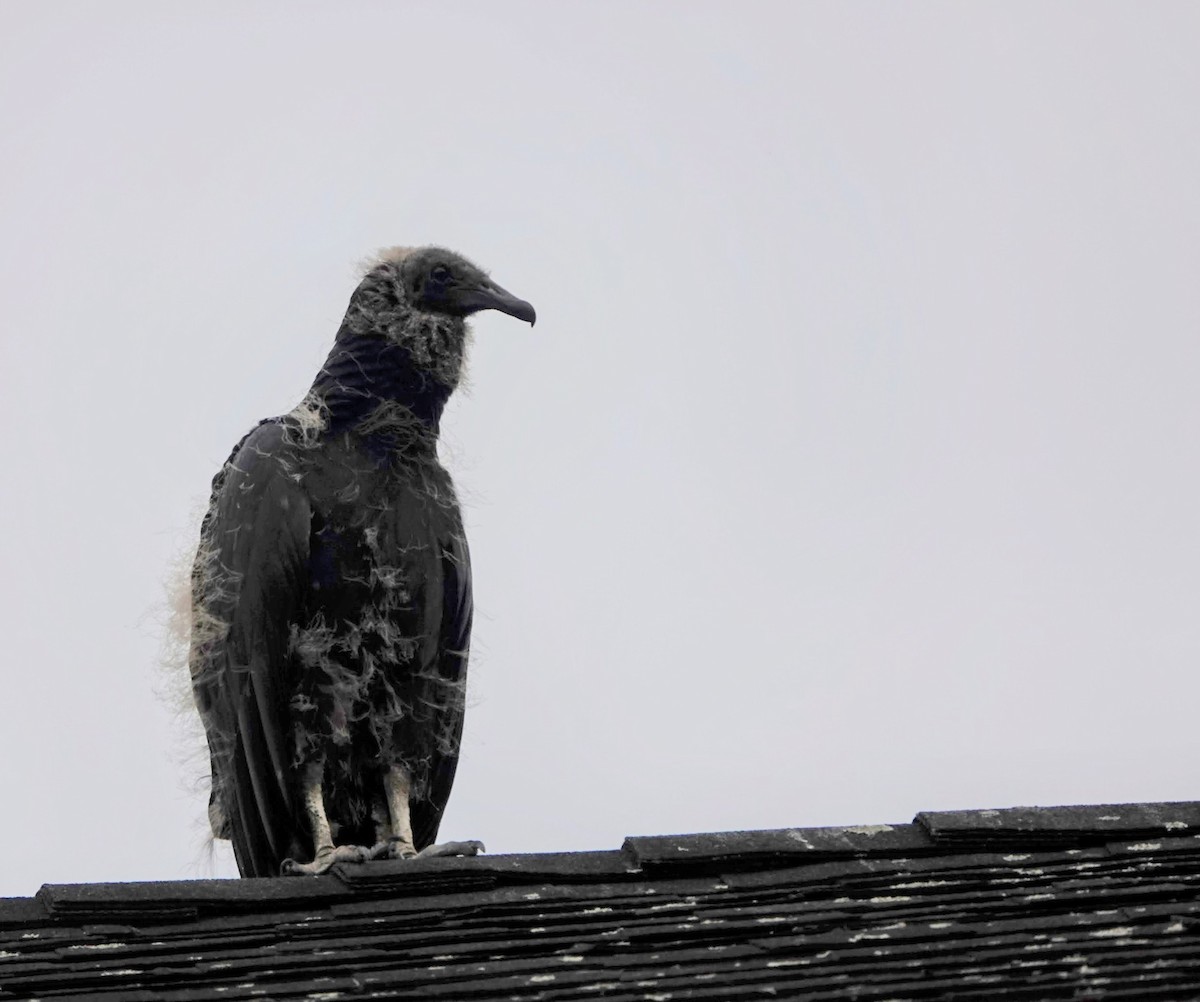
248,589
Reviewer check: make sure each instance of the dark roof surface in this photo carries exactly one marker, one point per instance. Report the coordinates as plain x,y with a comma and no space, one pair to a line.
1028,903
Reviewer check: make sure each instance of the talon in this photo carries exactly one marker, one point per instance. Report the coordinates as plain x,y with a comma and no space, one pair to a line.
326,856
472,847
400,848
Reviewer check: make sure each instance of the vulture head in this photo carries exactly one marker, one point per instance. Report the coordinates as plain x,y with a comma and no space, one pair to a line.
435,280
420,298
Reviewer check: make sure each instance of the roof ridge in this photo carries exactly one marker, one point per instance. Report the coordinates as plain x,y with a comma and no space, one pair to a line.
1120,827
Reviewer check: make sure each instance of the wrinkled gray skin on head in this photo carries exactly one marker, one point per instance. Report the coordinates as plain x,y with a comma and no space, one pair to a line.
420,298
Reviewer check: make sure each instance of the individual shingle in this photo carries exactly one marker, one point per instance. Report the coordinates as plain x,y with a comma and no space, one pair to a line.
756,850
456,874
17,912
1062,826
182,899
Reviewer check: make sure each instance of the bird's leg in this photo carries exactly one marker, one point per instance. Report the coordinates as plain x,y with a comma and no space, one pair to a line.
383,823
325,852
398,785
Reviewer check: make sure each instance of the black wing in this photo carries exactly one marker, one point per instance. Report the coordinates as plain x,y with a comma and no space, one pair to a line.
453,643
248,589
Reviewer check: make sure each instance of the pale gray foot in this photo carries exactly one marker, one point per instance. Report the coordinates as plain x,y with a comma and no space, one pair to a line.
397,848
397,836
469,848
326,856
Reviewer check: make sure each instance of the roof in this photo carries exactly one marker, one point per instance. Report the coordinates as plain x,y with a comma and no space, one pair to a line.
1030,903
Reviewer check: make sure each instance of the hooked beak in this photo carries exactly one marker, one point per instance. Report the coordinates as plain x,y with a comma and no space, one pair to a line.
487,295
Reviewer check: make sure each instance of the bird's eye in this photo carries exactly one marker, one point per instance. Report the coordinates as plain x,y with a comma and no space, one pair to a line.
440,273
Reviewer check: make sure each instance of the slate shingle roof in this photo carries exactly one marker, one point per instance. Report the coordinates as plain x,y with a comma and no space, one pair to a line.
1025,903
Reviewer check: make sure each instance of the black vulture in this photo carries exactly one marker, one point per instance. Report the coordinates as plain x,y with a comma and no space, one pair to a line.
331,591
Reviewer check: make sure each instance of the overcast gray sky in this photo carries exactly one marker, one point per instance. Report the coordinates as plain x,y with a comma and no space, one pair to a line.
849,471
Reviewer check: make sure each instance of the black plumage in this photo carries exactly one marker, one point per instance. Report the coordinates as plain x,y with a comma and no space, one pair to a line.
331,592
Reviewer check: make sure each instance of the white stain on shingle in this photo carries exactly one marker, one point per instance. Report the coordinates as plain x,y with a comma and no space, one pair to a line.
1120,930
1173,826
689,903
539,979
1145,846
868,830
1174,927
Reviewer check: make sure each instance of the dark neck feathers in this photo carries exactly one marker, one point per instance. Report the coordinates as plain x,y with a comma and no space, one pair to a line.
389,355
